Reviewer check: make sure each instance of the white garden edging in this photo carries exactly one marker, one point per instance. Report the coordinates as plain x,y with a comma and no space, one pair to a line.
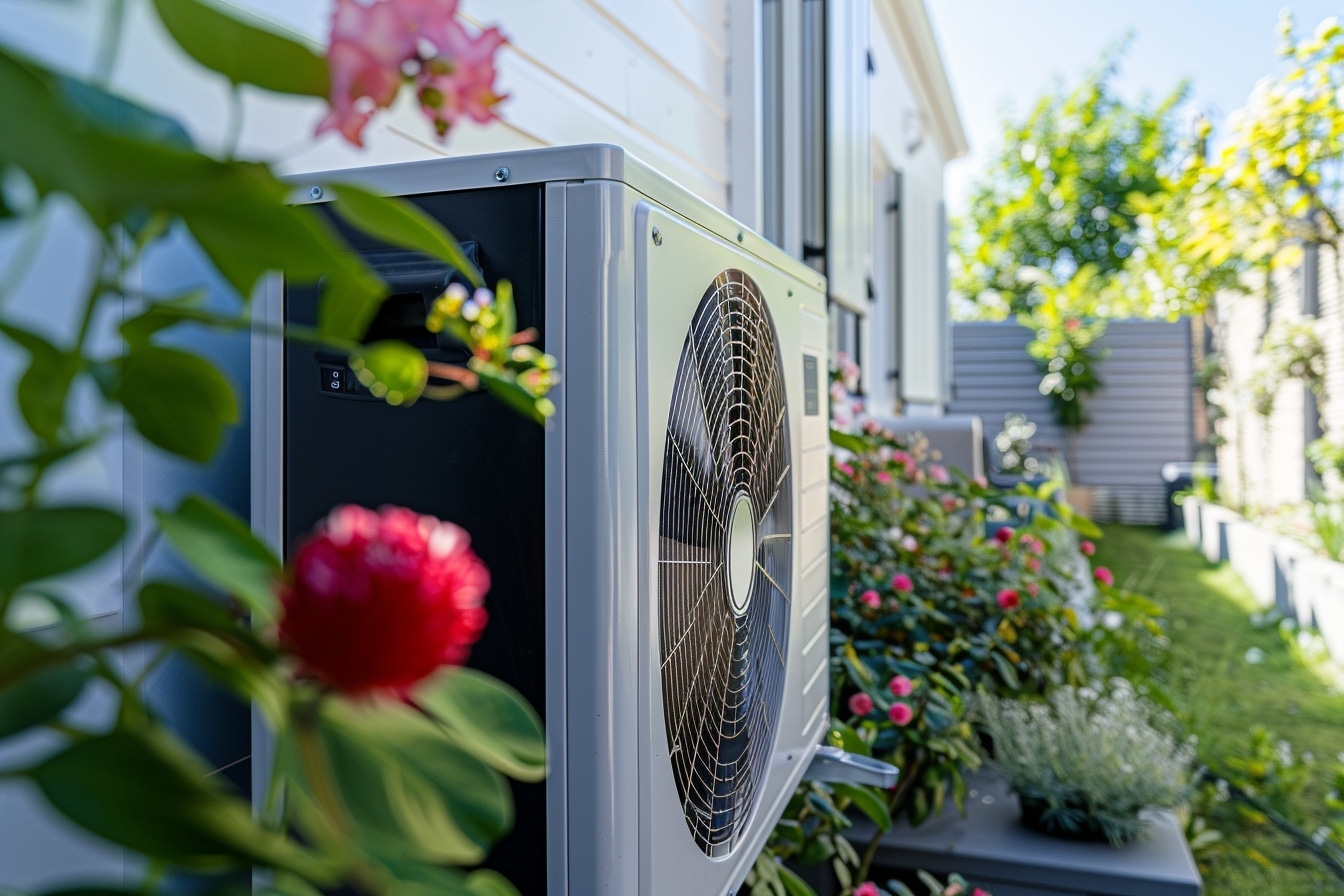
1278,571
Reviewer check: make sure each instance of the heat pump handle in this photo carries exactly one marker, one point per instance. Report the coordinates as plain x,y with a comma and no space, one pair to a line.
833,765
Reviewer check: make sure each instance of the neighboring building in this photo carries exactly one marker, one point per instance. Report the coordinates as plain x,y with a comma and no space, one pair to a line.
823,124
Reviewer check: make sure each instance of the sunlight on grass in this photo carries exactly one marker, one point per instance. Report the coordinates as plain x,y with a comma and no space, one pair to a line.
1227,676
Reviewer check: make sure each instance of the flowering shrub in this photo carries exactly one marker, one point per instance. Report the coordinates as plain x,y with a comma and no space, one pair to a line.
367,793
1092,758
930,605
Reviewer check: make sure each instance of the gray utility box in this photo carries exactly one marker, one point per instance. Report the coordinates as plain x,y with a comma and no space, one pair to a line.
993,850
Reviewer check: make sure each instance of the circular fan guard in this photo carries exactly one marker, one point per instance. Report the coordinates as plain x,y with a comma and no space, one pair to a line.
723,651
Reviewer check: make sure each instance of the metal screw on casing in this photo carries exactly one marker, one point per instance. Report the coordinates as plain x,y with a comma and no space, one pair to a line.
315,193
657,237
502,173
739,236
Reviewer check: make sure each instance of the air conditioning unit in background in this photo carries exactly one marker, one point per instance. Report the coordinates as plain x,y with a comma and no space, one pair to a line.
659,554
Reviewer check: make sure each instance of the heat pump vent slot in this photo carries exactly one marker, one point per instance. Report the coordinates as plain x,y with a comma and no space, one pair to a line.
725,557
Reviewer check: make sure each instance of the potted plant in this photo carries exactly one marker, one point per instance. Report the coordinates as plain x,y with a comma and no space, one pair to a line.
1086,764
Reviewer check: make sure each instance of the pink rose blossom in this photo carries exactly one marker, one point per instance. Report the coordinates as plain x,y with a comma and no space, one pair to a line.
900,457
979,892
376,47
901,686
1034,564
1008,599
901,714
938,473
1088,548
860,704
871,598
902,583
950,503
883,477
1033,544
981,481
867,888
1104,576
1033,589
1003,535
377,601
846,469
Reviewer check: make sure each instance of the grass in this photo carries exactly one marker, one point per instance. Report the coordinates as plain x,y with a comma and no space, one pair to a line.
1222,697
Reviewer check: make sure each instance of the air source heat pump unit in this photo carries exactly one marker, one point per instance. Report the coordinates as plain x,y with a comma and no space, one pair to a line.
659,554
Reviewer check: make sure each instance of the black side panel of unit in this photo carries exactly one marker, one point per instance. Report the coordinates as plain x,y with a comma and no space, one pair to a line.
472,461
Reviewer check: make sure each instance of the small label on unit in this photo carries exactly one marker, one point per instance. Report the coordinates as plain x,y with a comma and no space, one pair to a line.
811,393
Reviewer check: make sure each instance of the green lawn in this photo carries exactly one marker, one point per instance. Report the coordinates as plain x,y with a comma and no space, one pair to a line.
1223,696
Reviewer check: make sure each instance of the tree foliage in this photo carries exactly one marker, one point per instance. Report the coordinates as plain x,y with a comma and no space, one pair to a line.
1059,195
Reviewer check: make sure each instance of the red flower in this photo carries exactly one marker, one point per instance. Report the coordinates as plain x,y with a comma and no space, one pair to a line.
901,582
1104,576
871,598
379,601
860,704
900,714
1088,548
1004,535
1008,599
901,686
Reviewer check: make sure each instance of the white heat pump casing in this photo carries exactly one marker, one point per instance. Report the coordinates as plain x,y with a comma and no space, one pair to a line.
618,305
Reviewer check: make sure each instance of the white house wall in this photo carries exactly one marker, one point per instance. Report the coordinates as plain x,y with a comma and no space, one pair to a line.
904,141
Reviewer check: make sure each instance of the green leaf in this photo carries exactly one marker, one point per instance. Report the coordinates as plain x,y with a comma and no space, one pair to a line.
392,370
411,795
224,550
179,401
793,884
489,883
164,313
852,443
39,543
401,223
503,385
868,801
42,390
242,52
40,697
122,116
144,791
488,719
169,605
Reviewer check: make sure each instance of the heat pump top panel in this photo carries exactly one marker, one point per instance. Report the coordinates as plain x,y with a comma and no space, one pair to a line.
661,583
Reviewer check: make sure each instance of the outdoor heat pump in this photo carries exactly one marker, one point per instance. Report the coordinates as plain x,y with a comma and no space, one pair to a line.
658,554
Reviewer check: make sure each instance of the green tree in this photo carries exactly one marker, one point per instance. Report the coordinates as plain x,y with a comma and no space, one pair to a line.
1058,196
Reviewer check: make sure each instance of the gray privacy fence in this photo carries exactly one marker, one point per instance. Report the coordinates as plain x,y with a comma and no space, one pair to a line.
1141,417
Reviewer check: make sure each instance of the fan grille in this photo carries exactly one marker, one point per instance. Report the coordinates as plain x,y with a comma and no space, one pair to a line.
723,651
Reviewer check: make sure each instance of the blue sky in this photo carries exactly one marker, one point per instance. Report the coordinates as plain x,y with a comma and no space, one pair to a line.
1001,55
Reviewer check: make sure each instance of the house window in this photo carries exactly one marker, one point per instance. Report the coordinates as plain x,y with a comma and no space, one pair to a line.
847,335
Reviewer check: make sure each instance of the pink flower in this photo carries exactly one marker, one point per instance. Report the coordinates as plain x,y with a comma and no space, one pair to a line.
379,601
1033,544
1033,589
867,888
981,481
849,370
908,543
871,598
950,502
979,892
1003,535
900,457
938,473
846,469
860,704
1034,564
1088,548
872,427
376,47
901,686
1104,576
900,714
1008,599
883,477
901,582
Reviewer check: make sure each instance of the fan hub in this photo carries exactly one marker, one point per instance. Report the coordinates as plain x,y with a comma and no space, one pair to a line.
741,554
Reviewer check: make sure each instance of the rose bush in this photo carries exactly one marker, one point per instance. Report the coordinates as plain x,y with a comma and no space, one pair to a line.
388,760
940,591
